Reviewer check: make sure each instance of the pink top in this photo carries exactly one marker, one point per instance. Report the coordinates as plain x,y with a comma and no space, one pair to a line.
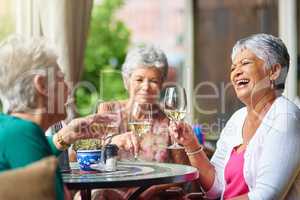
234,177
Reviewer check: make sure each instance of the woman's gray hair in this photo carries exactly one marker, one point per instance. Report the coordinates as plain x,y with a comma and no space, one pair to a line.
269,48
145,56
20,60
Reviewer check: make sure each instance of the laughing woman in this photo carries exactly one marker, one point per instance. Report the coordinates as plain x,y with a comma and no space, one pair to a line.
258,153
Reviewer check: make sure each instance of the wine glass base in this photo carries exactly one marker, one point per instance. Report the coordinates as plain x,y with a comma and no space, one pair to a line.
137,159
175,146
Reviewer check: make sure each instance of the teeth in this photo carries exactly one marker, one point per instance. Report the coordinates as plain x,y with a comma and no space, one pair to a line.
242,81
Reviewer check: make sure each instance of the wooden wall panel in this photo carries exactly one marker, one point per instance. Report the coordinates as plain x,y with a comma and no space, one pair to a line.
218,24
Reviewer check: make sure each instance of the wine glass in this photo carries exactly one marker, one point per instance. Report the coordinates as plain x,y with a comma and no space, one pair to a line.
107,130
174,107
112,128
140,120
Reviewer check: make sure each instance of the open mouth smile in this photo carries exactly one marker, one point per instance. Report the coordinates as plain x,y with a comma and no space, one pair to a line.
241,83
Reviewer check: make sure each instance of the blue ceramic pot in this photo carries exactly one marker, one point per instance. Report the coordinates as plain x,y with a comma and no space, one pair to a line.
87,157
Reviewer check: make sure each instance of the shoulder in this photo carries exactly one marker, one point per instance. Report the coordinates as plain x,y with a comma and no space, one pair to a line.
18,135
11,123
283,111
11,127
284,117
282,105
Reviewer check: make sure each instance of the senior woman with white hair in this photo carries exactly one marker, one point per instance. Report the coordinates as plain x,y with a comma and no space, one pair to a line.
33,93
144,72
258,153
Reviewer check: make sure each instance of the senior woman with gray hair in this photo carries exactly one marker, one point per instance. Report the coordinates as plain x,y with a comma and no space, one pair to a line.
258,153
144,72
33,93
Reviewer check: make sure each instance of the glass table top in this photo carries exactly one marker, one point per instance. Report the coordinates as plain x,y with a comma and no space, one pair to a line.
130,174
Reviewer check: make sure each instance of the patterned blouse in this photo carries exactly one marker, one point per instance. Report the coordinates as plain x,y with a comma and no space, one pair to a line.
153,145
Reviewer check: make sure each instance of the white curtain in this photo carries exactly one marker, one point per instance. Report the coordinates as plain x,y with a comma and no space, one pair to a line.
65,22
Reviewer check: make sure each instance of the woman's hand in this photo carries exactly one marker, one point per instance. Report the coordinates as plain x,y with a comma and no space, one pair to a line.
182,133
127,141
92,126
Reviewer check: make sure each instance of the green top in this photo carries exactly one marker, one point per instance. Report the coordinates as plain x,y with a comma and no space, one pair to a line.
23,142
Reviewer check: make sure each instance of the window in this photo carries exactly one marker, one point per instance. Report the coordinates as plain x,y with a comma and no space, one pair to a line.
160,23
114,28
7,18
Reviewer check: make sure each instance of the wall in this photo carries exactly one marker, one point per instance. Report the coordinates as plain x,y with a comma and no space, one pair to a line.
218,24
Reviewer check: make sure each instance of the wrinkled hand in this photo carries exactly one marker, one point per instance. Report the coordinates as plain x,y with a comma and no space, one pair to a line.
91,126
182,133
127,141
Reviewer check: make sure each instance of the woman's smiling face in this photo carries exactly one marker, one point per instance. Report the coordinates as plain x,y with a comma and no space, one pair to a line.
144,84
249,76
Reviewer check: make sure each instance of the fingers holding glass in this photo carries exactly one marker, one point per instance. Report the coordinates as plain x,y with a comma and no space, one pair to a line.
182,133
127,142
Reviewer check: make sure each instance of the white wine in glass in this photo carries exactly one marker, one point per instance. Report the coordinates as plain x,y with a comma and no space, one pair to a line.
175,104
140,120
175,115
140,128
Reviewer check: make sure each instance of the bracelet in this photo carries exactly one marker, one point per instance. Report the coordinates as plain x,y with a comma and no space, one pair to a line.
61,142
198,150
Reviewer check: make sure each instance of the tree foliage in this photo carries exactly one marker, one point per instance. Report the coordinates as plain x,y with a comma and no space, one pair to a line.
105,52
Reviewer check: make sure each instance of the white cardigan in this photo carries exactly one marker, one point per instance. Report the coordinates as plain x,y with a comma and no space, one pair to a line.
272,158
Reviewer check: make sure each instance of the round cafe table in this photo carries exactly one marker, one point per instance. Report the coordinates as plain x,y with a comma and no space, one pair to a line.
128,174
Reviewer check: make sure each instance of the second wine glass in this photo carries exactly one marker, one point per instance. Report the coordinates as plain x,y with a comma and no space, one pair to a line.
140,120
175,104
113,128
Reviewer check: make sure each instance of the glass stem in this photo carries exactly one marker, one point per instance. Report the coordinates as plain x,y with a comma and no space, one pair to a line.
174,142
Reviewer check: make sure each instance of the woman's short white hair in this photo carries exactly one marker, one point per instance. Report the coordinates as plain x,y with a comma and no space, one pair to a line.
269,48
145,56
20,59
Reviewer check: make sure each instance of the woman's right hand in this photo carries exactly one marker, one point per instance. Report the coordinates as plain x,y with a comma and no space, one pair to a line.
85,127
127,141
183,133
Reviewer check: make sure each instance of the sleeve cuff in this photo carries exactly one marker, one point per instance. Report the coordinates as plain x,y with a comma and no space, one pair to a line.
54,150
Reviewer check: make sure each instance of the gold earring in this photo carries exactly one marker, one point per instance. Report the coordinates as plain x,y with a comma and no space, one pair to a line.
272,83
